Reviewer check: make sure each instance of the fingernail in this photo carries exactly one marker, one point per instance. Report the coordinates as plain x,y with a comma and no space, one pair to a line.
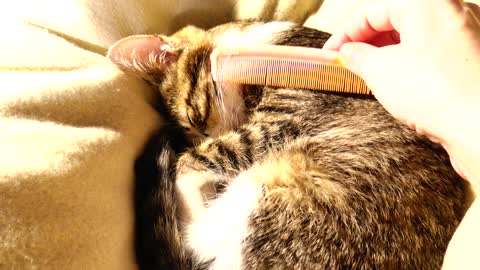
332,43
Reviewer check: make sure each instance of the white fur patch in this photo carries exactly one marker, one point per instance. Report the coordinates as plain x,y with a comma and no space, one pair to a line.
254,34
222,228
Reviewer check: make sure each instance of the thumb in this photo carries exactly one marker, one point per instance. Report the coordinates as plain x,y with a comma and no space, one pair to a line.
378,67
358,58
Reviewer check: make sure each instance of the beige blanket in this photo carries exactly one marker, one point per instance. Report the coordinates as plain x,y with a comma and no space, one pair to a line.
72,125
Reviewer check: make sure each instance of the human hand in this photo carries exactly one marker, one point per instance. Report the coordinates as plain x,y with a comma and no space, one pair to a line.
421,58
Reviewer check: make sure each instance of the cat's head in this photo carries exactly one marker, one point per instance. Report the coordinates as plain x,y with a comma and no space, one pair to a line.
179,66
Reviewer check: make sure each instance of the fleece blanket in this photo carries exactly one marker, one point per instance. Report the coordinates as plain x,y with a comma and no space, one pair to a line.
72,124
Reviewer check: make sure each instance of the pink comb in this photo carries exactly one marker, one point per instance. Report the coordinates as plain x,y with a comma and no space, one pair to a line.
285,66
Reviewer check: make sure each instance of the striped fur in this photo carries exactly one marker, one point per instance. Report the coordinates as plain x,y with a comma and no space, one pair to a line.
292,178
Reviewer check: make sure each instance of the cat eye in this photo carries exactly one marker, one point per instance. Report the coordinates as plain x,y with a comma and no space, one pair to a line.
190,121
196,127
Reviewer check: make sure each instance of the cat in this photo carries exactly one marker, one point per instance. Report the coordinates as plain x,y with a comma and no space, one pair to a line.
279,178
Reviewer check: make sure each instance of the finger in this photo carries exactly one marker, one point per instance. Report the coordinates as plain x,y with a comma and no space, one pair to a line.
336,41
355,56
458,167
385,39
408,17
376,21
365,27
369,63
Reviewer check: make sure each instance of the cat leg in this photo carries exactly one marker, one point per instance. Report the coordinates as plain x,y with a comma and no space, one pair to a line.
217,161
220,232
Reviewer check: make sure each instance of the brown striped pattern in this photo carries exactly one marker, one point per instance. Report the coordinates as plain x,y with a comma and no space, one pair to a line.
345,186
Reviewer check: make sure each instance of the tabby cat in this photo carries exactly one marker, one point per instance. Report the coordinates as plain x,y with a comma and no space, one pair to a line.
282,178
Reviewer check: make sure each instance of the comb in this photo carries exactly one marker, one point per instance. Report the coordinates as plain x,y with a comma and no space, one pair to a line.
285,66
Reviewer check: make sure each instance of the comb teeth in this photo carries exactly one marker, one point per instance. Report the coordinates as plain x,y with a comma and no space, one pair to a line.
286,71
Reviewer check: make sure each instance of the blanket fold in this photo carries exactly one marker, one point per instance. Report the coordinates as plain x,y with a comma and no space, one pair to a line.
71,127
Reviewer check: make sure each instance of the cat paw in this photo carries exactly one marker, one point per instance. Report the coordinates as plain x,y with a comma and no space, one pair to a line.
198,190
189,190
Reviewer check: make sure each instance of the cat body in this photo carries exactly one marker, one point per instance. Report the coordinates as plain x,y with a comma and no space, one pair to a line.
283,178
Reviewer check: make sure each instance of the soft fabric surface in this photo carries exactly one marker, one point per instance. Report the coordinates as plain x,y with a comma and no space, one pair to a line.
72,125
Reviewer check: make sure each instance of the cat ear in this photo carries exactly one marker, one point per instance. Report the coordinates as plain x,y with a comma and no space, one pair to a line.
147,56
